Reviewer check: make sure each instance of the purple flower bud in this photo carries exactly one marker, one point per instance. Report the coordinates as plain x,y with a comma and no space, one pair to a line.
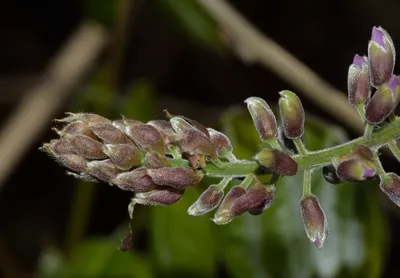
257,199
108,133
358,81
84,117
58,147
86,146
154,160
384,101
145,136
356,170
221,143
207,201
314,219
73,162
165,129
277,162
124,156
137,180
224,213
181,124
292,115
159,197
391,187
77,127
104,170
263,118
193,141
382,56
176,177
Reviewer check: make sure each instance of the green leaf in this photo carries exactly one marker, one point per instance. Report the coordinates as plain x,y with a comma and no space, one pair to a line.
139,101
275,243
98,257
182,244
191,18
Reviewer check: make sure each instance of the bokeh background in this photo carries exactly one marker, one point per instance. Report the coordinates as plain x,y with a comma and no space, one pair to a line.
150,55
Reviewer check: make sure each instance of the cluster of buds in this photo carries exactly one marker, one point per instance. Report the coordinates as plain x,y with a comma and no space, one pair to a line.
366,74
160,159
135,156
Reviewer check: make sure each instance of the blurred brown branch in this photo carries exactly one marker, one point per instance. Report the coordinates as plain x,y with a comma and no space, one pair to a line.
38,106
252,46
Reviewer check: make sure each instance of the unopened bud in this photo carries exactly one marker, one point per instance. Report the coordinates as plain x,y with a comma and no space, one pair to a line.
145,136
154,160
181,124
257,199
165,129
58,147
356,170
330,174
83,176
277,162
207,201
136,180
176,177
263,118
124,156
193,141
292,114
224,213
382,56
104,170
84,117
314,219
86,146
77,127
391,187
358,85
108,133
159,197
221,143
384,101
73,162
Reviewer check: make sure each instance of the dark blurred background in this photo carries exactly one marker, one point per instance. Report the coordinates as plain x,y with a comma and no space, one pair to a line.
157,58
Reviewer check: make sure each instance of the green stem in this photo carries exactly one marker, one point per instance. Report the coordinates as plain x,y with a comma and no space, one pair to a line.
300,146
310,160
247,181
394,149
307,183
224,183
368,131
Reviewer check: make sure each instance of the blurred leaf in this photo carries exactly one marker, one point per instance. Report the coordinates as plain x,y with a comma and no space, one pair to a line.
191,18
102,11
275,243
139,101
182,244
100,258
98,97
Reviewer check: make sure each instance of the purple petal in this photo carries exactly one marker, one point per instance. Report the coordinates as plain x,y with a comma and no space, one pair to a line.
392,84
359,61
368,172
378,36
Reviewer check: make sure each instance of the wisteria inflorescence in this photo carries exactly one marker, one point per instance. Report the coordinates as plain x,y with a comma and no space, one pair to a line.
160,159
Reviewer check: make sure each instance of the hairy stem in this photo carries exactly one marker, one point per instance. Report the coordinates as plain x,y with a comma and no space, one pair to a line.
309,160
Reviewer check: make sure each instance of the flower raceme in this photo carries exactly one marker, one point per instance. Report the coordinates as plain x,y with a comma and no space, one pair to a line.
159,160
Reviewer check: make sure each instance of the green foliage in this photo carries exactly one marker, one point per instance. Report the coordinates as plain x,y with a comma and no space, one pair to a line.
192,20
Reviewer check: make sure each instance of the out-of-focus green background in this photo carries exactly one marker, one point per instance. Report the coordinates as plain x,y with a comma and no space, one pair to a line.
170,54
